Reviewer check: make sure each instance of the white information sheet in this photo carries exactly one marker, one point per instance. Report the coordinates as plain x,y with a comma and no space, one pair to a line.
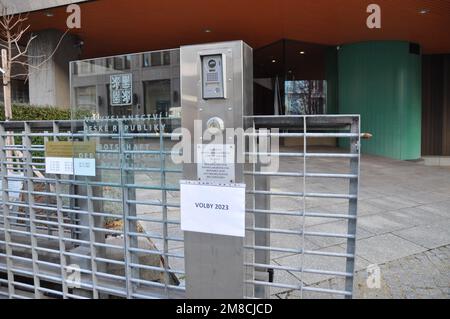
84,166
213,208
70,157
215,162
59,165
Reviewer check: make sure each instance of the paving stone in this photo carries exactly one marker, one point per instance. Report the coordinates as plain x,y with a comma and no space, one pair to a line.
419,216
338,227
403,211
425,197
381,223
429,236
383,248
424,275
392,203
367,208
317,262
291,242
442,208
396,220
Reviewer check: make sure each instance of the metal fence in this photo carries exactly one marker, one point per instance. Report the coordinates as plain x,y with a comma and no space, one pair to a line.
113,235
117,235
304,206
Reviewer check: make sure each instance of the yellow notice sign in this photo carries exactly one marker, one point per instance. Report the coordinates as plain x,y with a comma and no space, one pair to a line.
70,149
67,158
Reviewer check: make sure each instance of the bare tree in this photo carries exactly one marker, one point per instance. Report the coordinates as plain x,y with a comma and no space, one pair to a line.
15,41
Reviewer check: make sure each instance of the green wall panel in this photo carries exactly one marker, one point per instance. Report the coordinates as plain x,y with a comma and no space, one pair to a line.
382,82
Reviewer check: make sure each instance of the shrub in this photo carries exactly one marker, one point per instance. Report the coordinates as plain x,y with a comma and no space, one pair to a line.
26,112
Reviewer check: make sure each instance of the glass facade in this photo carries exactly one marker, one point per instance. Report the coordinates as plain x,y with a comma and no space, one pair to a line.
125,85
291,78
305,97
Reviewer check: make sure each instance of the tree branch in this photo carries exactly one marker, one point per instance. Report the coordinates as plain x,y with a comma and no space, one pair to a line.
54,50
21,53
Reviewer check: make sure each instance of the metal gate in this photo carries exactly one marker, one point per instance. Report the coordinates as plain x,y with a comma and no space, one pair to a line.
113,235
304,193
117,234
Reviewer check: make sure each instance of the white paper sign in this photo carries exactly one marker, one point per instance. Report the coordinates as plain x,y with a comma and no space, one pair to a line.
70,166
59,165
213,208
84,166
16,185
70,157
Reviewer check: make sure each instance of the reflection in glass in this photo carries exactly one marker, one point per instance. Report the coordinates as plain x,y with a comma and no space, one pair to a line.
86,98
155,89
117,110
157,58
305,97
157,96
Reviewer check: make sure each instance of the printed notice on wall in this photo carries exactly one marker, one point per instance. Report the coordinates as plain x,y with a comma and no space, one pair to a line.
70,158
215,162
213,208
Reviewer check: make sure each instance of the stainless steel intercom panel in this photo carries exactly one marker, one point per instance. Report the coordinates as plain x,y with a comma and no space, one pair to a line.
216,95
213,84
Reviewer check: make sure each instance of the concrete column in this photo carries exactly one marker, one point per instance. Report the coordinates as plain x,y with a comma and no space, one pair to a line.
50,85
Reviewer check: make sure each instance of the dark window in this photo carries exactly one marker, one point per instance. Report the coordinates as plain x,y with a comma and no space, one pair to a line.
157,98
122,62
109,63
158,58
155,59
166,57
118,63
127,62
145,60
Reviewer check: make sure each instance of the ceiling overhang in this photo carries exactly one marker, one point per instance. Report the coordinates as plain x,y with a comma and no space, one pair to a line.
117,26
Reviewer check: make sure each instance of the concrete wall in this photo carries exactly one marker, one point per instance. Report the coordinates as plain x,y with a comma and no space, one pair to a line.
50,84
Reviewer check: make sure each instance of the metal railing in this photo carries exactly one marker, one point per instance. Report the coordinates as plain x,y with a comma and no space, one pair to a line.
118,234
298,207
113,235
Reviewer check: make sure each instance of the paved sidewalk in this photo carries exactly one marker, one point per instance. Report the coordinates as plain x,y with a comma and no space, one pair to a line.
403,228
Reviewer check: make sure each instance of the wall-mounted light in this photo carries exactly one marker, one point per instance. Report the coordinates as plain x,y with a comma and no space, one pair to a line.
424,11
49,14
302,52
273,61
207,30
